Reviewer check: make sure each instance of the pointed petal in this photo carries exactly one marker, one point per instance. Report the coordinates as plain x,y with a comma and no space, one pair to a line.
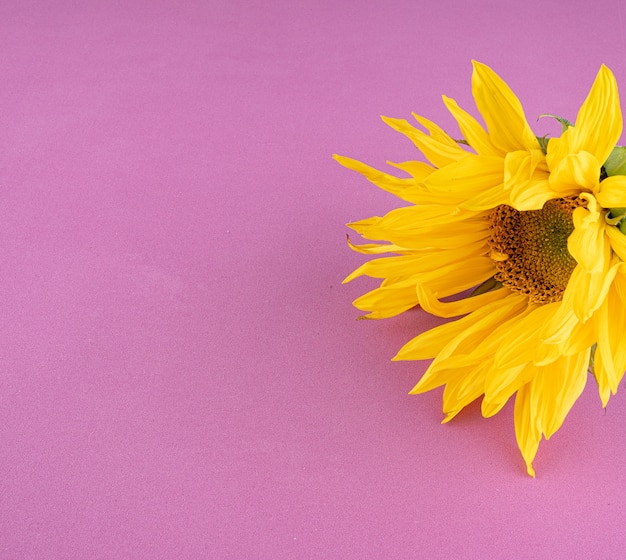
385,181
375,248
387,301
420,263
417,169
610,356
429,302
437,152
457,336
462,389
502,111
526,432
575,171
586,291
606,375
526,180
471,178
502,383
463,335
520,343
436,132
566,334
471,130
598,125
587,243
556,388
613,192
425,227
618,241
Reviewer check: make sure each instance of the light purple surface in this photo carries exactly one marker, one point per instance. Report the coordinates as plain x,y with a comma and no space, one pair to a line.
182,372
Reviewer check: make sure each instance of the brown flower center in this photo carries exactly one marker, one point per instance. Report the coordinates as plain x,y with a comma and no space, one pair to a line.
529,248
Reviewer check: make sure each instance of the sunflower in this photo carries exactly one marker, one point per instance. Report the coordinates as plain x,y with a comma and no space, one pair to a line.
525,233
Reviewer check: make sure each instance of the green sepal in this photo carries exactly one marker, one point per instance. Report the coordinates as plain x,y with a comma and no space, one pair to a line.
615,164
565,124
543,143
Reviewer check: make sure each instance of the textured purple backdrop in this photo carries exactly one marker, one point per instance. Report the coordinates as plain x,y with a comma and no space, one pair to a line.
182,372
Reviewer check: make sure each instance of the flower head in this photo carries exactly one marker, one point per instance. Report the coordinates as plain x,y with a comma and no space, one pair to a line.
532,226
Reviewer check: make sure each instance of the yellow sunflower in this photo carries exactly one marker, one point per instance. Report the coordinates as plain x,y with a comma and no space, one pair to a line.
530,225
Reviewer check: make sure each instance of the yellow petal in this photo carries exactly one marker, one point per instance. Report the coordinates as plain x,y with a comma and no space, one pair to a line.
375,248
471,130
598,125
463,335
543,403
509,381
586,291
556,388
559,148
462,389
501,111
477,179
411,263
618,241
575,172
520,342
558,328
610,356
388,301
385,181
526,431
612,192
396,295
437,152
458,276
587,243
526,180
425,227
436,132
431,342
606,374
429,302
417,169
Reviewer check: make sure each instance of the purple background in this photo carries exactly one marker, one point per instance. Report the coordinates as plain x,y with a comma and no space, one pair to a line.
182,372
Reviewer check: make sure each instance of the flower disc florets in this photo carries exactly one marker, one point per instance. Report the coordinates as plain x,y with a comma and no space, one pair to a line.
529,249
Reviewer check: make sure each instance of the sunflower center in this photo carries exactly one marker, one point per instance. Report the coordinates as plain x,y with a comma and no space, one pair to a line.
529,248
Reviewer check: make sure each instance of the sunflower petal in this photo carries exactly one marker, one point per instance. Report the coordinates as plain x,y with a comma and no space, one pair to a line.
526,431
459,335
385,181
575,171
587,243
437,152
610,356
526,180
472,132
502,111
477,179
600,112
429,302
612,192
